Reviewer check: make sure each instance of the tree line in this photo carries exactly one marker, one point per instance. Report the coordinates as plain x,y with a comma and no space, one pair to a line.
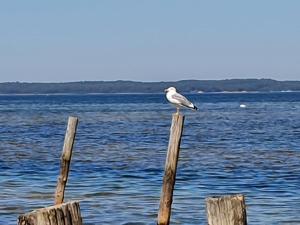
192,86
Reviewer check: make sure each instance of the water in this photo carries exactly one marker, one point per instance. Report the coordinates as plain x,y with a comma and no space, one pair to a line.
119,154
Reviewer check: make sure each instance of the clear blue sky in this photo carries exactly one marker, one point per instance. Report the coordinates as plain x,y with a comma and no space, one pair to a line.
151,40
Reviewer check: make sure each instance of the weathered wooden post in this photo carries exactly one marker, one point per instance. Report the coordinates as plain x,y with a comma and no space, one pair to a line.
66,159
226,210
61,213
166,197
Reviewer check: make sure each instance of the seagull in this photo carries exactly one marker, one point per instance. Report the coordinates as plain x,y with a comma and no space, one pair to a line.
178,100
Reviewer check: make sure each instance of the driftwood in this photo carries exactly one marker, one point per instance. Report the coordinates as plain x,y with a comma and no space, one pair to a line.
62,214
166,197
226,210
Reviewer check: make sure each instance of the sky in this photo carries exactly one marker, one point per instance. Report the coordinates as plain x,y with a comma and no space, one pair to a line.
153,40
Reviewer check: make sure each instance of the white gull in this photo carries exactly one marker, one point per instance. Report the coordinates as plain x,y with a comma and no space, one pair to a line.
178,100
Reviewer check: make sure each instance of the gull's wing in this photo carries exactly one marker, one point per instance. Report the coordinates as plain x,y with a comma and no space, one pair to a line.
182,100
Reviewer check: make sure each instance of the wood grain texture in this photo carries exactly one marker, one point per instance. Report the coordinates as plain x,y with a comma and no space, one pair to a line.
226,210
66,159
62,214
166,197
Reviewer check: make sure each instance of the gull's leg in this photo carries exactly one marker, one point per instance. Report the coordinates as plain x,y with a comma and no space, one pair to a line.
177,112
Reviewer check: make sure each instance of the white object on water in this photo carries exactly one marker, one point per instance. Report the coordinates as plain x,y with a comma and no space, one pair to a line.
178,100
243,106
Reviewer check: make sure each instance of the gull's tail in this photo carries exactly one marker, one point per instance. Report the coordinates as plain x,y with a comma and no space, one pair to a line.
193,107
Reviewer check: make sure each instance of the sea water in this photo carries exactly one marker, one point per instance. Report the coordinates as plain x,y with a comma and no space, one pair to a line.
120,148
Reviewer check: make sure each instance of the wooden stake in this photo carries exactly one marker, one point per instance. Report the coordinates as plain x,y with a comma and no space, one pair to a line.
166,197
66,159
62,214
226,210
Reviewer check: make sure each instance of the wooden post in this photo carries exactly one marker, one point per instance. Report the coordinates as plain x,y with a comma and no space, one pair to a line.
66,159
226,210
166,197
62,214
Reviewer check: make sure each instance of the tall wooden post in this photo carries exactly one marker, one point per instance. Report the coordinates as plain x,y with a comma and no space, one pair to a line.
226,210
166,197
66,159
61,213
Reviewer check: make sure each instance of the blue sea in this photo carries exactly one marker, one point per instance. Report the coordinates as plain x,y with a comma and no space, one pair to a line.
120,148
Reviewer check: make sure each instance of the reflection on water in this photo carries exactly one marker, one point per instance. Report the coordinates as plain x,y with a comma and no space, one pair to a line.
118,160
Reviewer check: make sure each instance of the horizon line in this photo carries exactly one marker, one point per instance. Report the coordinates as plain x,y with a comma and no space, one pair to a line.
137,81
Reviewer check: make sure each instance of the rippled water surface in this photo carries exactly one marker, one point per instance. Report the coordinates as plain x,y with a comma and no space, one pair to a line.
120,148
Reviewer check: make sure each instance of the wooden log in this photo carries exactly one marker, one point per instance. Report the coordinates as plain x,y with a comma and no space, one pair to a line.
226,210
62,214
66,159
166,197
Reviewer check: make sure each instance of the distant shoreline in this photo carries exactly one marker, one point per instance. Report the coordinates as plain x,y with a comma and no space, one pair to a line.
135,93
134,87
